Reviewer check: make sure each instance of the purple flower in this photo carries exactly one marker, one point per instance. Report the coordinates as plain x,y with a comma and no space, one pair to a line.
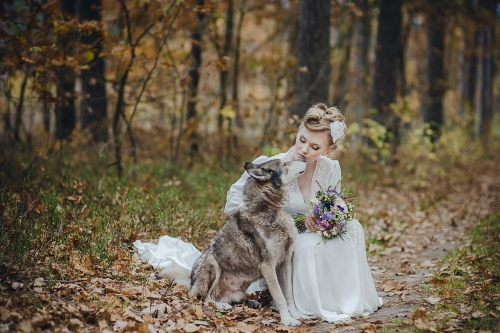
316,209
342,223
340,207
327,216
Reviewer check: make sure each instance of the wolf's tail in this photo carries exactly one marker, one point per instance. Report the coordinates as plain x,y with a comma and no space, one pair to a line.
176,274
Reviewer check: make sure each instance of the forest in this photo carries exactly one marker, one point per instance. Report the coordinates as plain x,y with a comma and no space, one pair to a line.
125,120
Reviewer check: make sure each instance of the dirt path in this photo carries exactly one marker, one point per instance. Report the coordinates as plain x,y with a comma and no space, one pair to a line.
401,271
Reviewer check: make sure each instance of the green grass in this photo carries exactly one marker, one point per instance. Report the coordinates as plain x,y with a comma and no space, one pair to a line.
57,207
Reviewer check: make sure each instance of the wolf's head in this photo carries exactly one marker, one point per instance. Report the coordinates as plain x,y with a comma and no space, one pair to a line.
266,186
276,171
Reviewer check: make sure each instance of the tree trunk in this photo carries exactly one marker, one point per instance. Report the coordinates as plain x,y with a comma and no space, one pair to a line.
93,105
362,32
313,76
470,63
433,107
236,71
194,74
225,56
487,8
19,108
341,87
388,52
65,107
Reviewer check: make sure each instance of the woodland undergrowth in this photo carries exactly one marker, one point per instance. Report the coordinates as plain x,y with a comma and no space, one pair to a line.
67,227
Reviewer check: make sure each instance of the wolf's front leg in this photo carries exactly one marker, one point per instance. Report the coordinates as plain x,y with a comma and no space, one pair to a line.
286,283
269,273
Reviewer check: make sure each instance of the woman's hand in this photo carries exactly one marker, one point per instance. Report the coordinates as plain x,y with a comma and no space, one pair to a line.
310,223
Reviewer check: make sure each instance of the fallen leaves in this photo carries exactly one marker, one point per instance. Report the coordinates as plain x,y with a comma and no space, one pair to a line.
420,320
392,285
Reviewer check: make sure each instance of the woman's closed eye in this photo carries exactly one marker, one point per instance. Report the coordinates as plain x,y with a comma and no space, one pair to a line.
303,140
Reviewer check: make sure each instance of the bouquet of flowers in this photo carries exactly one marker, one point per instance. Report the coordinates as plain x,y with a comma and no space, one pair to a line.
331,210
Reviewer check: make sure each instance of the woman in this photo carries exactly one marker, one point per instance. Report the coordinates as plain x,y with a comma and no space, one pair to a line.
331,279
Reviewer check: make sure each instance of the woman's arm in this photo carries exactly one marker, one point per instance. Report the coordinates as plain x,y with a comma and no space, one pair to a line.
234,198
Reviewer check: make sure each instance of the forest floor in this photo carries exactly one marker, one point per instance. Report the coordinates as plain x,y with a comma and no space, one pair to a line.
420,251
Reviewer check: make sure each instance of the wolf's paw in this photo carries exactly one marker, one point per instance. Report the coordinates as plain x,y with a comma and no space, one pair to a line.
223,306
289,321
297,315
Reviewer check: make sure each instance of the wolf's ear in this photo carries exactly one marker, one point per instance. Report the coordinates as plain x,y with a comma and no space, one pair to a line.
256,172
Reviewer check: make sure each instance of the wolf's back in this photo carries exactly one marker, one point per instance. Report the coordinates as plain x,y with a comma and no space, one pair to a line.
176,274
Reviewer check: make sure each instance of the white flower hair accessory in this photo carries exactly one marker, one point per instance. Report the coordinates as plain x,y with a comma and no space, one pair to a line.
336,130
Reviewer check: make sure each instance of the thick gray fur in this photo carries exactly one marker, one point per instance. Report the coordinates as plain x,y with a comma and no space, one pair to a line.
255,242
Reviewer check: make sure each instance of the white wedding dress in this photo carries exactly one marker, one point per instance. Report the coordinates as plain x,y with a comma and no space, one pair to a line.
331,279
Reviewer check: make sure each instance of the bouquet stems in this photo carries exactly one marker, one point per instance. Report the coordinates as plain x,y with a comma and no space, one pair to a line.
299,220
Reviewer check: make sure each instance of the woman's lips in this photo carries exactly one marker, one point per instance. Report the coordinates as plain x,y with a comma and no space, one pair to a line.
301,157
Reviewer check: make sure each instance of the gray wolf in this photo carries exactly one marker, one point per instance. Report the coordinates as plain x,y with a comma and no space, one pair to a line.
255,242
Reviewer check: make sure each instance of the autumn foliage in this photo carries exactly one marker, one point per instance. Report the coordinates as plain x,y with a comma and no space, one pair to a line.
188,91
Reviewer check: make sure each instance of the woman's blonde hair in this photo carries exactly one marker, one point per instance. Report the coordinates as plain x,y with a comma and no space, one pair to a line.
318,119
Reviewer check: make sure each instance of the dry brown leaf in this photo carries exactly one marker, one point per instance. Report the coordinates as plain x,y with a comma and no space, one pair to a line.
104,314
40,319
247,327
25,326
74,198
423,324
102,324
131,313
39,282
478,314
120,326
438,282
16,285
7,316
365,326
419,314
198,311
74,324
192,328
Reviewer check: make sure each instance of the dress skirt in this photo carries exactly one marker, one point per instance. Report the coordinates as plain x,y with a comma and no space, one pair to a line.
331,279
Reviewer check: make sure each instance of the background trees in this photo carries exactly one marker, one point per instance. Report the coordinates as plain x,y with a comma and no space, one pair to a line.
206,75
313,74
387,57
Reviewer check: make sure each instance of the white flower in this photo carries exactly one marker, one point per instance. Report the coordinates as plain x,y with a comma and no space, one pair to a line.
340,202
336,130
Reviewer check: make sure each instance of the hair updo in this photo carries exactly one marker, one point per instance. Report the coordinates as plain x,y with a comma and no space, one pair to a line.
318,119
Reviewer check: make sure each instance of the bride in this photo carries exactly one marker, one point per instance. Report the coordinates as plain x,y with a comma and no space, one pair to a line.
331,279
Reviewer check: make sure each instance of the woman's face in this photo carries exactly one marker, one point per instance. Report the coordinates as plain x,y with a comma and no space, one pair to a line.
310,145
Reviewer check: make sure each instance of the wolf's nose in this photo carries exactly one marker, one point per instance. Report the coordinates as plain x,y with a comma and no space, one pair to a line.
303,159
